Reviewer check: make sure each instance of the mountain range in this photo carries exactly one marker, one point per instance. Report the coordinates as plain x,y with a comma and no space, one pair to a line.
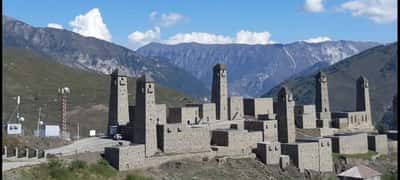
91,54
253,69
378,65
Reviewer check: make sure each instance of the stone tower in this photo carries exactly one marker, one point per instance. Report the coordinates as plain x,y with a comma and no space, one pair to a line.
144,126
362,98
118,114
285,116
219,91
322,100
394,107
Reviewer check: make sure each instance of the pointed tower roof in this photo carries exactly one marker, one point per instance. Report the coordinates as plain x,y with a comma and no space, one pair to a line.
320,74
117,72
360,171
219,66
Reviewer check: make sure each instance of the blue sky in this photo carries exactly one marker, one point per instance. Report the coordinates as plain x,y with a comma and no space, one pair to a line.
207,21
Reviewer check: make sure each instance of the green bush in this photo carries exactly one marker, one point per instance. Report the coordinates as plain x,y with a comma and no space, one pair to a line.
136,177
58,170
77,164
102,168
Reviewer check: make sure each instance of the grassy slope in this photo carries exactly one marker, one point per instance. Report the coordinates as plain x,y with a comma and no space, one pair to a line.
378,65
36,79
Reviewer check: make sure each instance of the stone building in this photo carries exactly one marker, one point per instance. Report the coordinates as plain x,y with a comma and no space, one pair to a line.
184,115
144,125
125,157
179,138
233,141
349,143
269,152
219,91
322,100
361,118
305,116
235,106
378,143
269,128
304,155
118,113
258,106
325,161
285,116
206,112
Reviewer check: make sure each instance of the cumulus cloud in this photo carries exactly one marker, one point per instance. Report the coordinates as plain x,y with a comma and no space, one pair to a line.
318,39
242,37
313,6
91,24
138,39
247,37
55,26
166,20
379,11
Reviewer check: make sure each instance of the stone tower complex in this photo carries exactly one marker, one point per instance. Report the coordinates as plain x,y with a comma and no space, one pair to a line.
144,131
322,100
285,116
362,97
219,91
118,105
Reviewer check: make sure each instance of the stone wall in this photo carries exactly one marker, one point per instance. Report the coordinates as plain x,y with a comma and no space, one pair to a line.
178,138
378,143
236,139
206,111
269,152
258,106
351,120
305,116
184,115
351,143
325,161
268,127
161,115
235,106
125,157
304,155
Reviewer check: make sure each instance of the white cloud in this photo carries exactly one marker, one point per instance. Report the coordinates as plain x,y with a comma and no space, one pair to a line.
91,24
318,39
247,37
313,6
166,20
242,37
379,11
199,37
138,39
55,26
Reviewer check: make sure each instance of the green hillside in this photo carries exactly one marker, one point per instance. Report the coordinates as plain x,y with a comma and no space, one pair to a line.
36,79
378,65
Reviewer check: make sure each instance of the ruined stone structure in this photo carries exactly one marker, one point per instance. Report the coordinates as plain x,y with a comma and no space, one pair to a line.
269,152
118,105
145,111
219,91
305,116
361,118
235,106
285,116
349,143
206,112
125,157
178,138
268,127
322,100
258,106
378,143
184,115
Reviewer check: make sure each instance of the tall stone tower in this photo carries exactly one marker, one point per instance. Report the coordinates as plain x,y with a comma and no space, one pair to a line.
394,107
219,91
118,114
144,126
322,100
362,98
285,116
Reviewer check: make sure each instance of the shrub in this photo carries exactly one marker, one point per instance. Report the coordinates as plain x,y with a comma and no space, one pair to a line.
77,164
103,168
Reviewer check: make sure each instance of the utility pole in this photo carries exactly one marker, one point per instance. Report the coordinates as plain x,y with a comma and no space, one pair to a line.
77,141
38,122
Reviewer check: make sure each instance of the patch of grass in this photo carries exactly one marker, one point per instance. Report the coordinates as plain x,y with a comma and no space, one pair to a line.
136,177
102,168
367,155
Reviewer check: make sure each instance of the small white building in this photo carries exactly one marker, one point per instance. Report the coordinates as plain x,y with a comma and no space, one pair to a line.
14,128
360,172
